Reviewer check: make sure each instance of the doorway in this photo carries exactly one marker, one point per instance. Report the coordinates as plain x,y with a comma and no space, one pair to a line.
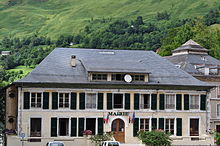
118,129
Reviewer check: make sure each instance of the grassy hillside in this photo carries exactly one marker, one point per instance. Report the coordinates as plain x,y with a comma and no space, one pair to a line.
56,17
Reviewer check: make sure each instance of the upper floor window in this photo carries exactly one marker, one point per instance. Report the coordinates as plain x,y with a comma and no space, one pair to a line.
170,101
63,100
36,100
145,101
91,100
138,77
118,101
118,77
99,77
194,101
218,110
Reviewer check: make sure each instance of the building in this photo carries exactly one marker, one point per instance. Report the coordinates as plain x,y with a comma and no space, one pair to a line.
119,91
5,53
194,59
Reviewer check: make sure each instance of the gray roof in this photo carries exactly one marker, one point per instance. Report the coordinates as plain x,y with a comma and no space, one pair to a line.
56,68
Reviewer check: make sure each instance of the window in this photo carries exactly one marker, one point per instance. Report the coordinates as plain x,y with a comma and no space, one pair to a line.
36,100
194,127
91,100
63,127
144,124
194,101
145,101
118,77
63,100
118,100
218,110
169,126
99,77
138,77
170,101
91,125
35,127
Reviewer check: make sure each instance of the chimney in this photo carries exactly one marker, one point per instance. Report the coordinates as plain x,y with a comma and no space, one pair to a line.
73,61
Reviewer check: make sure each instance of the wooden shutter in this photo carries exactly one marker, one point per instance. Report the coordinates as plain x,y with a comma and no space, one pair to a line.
178,101
46,100
162,103
136,101
73,101
100,101
135,126
81,127
54,100
186,101
179,126
127,101
154,123
53,127
109,101
203,102
26,100
73,126
161,123
154,101
100,125
81,101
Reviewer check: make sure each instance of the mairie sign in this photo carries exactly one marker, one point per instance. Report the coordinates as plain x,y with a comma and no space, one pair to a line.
118,113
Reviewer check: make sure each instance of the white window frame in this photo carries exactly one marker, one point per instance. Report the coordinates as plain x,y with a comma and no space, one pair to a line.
218,116
144,118
141,99
64,100
123,98
174,125
96,98
40,117
41,102
174,102
190,95
194,117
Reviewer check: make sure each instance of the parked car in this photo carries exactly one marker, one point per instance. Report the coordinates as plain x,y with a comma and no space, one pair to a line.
110,143
55,143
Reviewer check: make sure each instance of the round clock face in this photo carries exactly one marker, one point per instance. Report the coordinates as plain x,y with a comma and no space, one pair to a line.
128,78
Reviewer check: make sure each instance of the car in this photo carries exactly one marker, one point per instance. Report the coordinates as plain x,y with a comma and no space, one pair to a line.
110,143
55,143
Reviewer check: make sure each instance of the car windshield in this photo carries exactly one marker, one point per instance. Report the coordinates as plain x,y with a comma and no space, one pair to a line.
56,144
113,144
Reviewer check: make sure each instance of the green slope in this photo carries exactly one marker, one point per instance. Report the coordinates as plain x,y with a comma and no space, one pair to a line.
56,17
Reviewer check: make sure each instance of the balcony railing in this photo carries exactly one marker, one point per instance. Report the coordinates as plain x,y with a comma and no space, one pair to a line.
194,133
118,105
36,105
194,106
144,106
91,105
170,106
35,134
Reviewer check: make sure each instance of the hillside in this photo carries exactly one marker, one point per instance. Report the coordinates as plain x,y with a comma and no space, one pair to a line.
56,17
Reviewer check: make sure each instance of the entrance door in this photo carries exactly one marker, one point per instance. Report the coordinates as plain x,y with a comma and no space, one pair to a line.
118,129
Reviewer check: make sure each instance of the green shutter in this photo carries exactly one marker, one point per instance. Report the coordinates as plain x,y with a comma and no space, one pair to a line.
162,103
178,101
26,100
136,101
179,126
54,100
161,123
53,127
81,101
109,101
73,101
127,101
154,101
46,100
186,101
100,125
135,126
81,127
100,101
203,102
154,123
73,126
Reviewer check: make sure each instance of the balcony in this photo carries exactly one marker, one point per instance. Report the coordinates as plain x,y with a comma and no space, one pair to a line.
144,106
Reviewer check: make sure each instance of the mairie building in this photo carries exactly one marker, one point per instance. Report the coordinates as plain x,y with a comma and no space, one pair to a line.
119,91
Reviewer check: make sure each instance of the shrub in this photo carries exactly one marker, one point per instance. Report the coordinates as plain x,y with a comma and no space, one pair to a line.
98,139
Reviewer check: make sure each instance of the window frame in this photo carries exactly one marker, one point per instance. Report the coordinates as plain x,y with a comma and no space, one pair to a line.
141,98
36,97
218,116
101,74
69,126
169,123
190,96
96,98
194,117
149,124
69,99
123,102
35,117
165,101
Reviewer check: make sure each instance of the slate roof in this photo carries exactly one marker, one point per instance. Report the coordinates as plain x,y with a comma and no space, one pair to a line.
56,68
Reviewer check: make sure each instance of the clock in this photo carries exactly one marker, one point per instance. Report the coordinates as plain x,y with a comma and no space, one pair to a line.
128,78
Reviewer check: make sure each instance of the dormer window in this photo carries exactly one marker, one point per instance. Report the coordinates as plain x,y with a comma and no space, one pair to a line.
118,77
99,77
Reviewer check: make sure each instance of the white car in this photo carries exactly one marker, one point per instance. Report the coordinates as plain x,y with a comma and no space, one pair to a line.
55,143
110,143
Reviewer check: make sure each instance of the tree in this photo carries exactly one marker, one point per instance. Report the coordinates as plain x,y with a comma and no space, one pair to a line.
99,138
154,138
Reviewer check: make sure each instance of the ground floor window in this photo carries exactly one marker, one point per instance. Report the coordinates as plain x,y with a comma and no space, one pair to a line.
91,125
194,127
218,128
169,126
63,126
35,127
144,125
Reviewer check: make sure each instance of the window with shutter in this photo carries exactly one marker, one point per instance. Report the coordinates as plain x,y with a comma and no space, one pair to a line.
73,126
136,101
53,127
64,100
179,126
91,125
135,126
161,123
100,101
54,100
26,100
203,102
178,102
186,101
90,100
100,125
46,100
145,101
81,101
127,101
36,100
169,126
194,101
73,100
154,123
170,101
154,101
81,127
109,101
162,102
